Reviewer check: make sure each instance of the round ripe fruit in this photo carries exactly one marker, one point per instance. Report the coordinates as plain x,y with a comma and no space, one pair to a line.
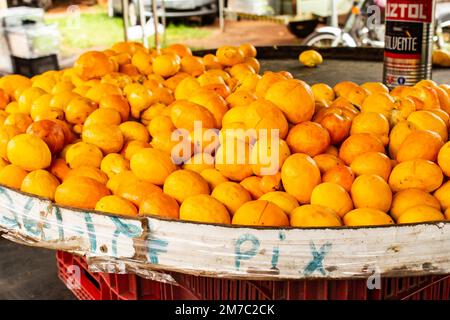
232,159
204,208
322,92
40,183
419,214
12,176
332,195
398,134
80,192
59,169
199,162
152,165
409,198
419,173
192,65
357,96
260,213
443,195
268,155
131,147
263,116
113,164
285,201
308,137
211,62
253,186
366,217
179,150
90,172
83,154
182,184
49,131
341,175
326,162
78,110
374,87
108,138
160,204
232,195
358,144
100,90
166,65
105,116
27,97
139,98
179,49
93,64
443,159
213,102
135,190
4,99
371,122
20,120
248,50
132,130
229,56
371,191
271,183
314,216
426,120
420,144
160,125
240,98
184,114
117,205
213,177
379,102
7,132
123,177
372,163
118,103
343,88
310,58
300,175
186,88
28,152
294,98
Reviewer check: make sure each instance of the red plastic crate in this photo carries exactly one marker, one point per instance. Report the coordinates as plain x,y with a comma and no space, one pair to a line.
105,286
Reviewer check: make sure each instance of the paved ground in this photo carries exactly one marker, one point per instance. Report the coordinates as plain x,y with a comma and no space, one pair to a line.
29,273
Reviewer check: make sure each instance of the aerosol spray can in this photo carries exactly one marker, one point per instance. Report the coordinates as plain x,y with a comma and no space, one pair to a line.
408,41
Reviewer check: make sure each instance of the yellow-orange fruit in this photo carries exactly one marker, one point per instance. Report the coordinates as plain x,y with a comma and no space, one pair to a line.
260,213
80,192
418,173
108,138
308,137
419,214
134,190
184,114
420,144
12,176
371,191
443,158
90,172
314,216
332,195
341,175
300,175
358,144
294,98
232,195
409,198
182,184
367,217
28,152
83,154
204,208
253,186
372,163
117,205
152,165
160,204
443,195
326,162
264,116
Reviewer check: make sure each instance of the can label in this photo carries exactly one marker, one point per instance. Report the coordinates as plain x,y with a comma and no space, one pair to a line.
408,41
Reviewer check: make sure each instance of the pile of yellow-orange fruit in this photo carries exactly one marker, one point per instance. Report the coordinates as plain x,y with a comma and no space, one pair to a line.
98,136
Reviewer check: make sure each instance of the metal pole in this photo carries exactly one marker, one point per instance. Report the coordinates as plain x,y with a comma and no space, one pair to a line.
164,21
143,22
334,14
221,15
125,16
155,22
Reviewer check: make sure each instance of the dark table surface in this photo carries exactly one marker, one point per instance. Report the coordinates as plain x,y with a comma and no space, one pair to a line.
30,273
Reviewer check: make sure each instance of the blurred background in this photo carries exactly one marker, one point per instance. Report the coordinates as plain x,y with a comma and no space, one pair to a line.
67,28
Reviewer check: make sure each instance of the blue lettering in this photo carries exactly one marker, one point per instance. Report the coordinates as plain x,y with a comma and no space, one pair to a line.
247,255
